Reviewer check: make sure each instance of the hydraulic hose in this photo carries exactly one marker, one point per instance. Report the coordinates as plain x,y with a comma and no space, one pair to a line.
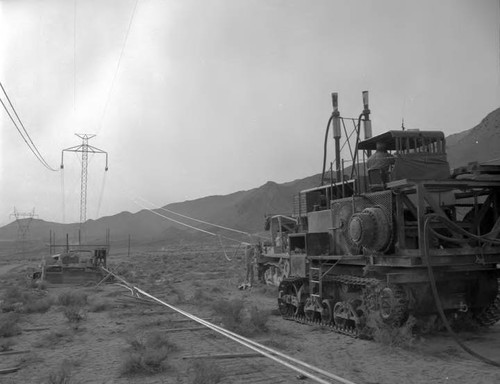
356,147
325,148
432,280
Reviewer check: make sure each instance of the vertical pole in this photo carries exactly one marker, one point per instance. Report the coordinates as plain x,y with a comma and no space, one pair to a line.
336,132
67,242
80,235
420,212
342,179
337,157
331,186
366,121
83,194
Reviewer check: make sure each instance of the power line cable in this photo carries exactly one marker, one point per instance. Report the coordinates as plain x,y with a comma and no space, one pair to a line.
31,145
117,66
184,224
199,221
63,197
24,129
18,130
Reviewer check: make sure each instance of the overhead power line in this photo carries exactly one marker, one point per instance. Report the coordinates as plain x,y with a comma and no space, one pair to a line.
117,66
184,224
25,136
206,222
197,220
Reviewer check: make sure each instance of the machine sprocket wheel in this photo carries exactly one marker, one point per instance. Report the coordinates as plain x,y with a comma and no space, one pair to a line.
343,315
285,289
327,311
393,305
491,314
290,294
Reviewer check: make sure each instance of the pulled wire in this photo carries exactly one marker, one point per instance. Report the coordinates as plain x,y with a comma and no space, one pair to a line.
197,220
224,249
275,355
63,197
237,249
184,224
117,66
358,132
325,148
101,194
490,161
31,145
348,139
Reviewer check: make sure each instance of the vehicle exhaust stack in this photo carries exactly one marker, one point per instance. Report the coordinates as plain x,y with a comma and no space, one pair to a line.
366,113
336,132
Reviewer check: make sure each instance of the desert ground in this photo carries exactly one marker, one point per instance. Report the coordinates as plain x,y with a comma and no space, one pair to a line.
88,334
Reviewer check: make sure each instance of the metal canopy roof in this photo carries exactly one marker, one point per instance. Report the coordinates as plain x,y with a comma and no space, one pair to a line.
389,138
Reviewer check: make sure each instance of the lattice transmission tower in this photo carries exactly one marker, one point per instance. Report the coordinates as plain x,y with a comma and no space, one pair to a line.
23,221
84,149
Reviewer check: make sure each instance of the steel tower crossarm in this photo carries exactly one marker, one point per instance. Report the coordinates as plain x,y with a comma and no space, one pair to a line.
84,149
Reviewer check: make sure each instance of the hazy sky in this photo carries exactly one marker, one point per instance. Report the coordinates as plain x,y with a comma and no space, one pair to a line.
216,96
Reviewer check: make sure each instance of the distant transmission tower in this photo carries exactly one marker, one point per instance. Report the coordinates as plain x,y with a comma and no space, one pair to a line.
23,221
84,149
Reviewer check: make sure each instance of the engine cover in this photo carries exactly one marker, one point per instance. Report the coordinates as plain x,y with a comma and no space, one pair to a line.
371,229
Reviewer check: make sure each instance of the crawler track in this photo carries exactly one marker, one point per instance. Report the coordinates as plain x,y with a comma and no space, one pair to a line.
362,283
349,331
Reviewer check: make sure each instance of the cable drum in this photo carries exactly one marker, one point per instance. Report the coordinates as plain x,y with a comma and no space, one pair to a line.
371,229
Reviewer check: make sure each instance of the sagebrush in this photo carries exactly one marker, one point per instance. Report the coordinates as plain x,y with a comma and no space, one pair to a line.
205,372
238,318
148,354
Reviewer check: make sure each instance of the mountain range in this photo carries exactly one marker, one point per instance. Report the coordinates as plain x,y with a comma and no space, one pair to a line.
242,210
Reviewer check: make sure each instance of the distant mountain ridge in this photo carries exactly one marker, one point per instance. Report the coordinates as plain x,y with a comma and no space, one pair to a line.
481,143
242,210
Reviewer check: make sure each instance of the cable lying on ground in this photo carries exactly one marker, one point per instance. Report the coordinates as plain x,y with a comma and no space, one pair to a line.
259,348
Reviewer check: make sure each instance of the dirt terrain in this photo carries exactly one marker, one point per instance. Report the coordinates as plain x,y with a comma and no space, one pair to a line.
97,339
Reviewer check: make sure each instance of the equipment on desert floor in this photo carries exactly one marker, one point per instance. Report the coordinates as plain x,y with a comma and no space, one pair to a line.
383,244
74,264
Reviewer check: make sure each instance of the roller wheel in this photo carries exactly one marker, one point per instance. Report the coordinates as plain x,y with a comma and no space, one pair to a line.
489,315
327,311
393,304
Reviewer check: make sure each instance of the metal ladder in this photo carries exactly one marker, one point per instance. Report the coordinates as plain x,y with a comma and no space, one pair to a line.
315,280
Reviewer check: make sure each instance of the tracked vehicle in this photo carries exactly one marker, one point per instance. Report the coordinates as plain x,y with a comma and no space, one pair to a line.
383,243
73,264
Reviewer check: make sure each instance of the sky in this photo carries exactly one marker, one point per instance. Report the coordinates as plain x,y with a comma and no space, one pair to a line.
192,98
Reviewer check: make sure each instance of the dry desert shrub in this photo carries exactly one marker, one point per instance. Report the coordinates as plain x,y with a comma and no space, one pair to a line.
75,314
38,305
205,372
6,344
54,338
9,324
99,306
72,298
147,355
62,375
277,343
179,295
201,297
237,318
17,299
